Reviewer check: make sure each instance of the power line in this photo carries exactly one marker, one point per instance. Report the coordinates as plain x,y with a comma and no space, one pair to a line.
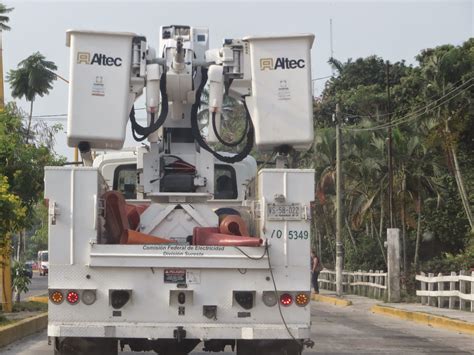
349,115
405,119
323,77
413,115
64,115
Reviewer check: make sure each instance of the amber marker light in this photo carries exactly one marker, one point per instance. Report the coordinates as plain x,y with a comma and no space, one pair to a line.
56,297
302,299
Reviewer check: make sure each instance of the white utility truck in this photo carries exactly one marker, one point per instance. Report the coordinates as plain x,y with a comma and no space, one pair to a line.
175,244
43,263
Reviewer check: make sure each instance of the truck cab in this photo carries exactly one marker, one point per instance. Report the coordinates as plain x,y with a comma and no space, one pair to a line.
232,182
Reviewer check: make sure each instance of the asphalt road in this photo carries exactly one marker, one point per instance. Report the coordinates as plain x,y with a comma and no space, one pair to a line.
37,287
335,330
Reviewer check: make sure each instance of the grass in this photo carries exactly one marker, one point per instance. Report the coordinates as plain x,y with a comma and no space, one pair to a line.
4,320
30,306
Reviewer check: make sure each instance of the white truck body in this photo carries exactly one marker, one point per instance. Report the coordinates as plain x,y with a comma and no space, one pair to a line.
168,297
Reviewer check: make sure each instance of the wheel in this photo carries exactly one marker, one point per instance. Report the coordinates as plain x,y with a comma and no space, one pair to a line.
85,346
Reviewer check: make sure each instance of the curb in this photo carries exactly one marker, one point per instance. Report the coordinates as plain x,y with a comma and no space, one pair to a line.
426,318
12,332
332,300
41,299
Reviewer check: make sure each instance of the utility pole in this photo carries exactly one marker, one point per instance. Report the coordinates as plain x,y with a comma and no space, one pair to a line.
390,153
339,265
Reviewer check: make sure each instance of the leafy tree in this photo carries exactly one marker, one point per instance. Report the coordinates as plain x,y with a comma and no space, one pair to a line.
22,167
39,230
4,19
20,280
33,77
12,212
431,148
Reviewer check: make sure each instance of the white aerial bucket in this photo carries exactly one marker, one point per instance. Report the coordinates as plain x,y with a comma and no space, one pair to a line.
100,64
281,103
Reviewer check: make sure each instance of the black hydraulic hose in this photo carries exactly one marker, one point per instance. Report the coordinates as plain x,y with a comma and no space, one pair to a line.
144,132
221,140
197,134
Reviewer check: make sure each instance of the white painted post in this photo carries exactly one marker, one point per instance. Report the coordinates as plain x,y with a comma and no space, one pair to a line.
371,280
377,282
430,288
393,262
452,287
359,279
424,299
462,289
350,279
440,288
472,292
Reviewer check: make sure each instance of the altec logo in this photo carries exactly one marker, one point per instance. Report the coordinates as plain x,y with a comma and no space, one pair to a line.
99,59
281,63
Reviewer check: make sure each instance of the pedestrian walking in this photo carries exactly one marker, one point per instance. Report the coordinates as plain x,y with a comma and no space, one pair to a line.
315,268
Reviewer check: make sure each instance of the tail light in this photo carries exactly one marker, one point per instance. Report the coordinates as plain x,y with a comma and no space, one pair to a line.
286,299
269,298
302,299
72,297
56,297
88,297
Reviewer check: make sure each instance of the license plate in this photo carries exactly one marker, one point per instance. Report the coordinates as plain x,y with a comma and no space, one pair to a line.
175,276
290,211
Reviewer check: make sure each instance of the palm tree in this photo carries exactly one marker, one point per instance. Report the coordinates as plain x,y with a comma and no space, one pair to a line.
441,70
33,77
4,19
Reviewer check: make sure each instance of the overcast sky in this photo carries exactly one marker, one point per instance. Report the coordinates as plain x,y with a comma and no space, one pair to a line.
394,30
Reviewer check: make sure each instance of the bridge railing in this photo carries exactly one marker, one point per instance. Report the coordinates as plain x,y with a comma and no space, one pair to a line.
369,284
454,291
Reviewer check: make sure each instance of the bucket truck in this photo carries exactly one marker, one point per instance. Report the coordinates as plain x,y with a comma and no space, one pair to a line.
175,244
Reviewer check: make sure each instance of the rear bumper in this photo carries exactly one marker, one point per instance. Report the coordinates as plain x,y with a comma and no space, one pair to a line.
165,330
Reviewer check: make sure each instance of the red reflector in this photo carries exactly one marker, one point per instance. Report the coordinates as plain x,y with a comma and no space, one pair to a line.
286,299
72,297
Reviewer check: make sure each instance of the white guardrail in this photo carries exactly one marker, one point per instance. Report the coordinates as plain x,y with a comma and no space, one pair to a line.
452,291
370,284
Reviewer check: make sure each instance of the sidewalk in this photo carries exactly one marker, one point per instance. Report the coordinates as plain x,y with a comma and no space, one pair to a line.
452,319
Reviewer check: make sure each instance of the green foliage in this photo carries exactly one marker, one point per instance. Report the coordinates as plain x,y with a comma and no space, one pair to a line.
12,212
33,77
39,238
4,320
30,306
21,172
22,163
3,18
448,262
20,280
427,187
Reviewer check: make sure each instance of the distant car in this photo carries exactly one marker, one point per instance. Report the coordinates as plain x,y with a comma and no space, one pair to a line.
29,269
